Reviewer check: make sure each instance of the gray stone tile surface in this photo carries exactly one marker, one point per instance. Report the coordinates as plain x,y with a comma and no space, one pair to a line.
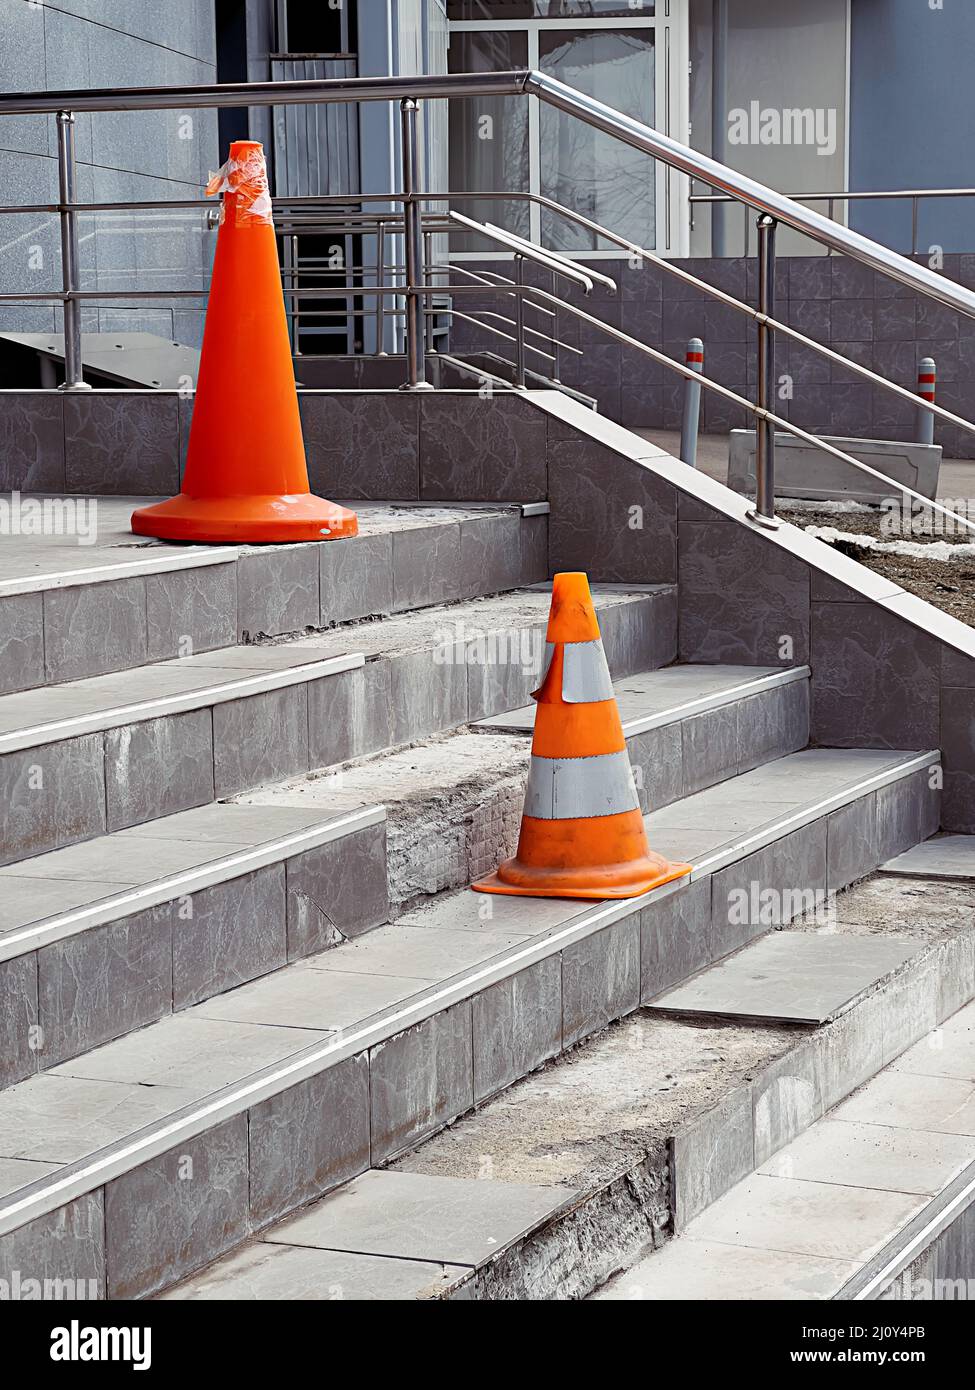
801,977
944,856
873,1156
309,1138
292,1272
419,1217
177,1212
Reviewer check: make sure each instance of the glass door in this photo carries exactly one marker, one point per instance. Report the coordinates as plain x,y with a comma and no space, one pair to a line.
631,56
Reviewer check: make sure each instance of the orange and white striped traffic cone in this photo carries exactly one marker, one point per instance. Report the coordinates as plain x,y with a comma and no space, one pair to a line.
582,832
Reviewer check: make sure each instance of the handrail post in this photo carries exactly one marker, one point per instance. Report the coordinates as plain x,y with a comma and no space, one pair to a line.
68,193
764,509
380,284
413,244
520,322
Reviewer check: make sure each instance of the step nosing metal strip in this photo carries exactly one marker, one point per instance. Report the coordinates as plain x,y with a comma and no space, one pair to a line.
166,563
180,702
19,941
91,1172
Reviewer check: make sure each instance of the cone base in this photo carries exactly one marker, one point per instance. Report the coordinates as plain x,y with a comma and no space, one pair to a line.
620,880
267,518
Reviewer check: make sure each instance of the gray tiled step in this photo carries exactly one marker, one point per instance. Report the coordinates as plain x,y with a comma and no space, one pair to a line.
107,936
636,1133
413,1024
454,810
97,755
688,727
848,1206
788,977
416,1223
69,611
943,856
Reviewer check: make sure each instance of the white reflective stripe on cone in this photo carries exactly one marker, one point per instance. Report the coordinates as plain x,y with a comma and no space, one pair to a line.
569,788
585,675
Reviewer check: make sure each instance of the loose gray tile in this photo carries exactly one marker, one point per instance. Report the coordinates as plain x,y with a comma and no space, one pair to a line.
104,982
797,977
168,1217
95,628
228,934
420,1079
192,610
277,591
600,979
263,738
308,1139
336,891
416,1216
289,1272
517,1026
158,767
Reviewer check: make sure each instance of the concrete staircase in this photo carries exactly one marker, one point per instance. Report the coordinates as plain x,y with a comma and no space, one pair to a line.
240,967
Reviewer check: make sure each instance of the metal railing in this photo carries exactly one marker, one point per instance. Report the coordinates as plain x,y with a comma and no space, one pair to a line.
772,209
846,196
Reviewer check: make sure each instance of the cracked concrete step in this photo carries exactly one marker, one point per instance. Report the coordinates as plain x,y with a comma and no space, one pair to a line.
629,1136
454,811
411,1026
865,1199
690,726
101,754
69,611
104,937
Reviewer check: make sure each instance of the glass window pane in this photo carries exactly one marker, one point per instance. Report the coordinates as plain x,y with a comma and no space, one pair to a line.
551,9
592,173
489,135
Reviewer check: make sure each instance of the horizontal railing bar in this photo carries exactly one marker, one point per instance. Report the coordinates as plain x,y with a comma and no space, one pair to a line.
531,252
689,374
546,88
439,267
687,278
529,347
848,196
299,93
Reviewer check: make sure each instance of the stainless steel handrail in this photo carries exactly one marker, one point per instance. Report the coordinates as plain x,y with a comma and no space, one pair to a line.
518,82
773,208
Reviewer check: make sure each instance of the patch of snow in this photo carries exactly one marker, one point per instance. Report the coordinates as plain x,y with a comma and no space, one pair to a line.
942,551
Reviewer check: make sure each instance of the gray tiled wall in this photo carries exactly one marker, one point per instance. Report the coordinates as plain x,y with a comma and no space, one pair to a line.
122,156
862,314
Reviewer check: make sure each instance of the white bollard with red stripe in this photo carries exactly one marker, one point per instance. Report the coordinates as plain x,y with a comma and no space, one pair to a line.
691,417
927,377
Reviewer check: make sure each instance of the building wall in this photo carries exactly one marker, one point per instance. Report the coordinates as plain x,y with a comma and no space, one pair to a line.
121,156
782,57
913,108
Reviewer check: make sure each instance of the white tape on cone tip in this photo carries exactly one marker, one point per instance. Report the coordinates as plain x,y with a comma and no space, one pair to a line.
585,674
574,788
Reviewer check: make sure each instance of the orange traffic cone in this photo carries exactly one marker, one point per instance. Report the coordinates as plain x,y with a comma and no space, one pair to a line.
582,833
246,478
